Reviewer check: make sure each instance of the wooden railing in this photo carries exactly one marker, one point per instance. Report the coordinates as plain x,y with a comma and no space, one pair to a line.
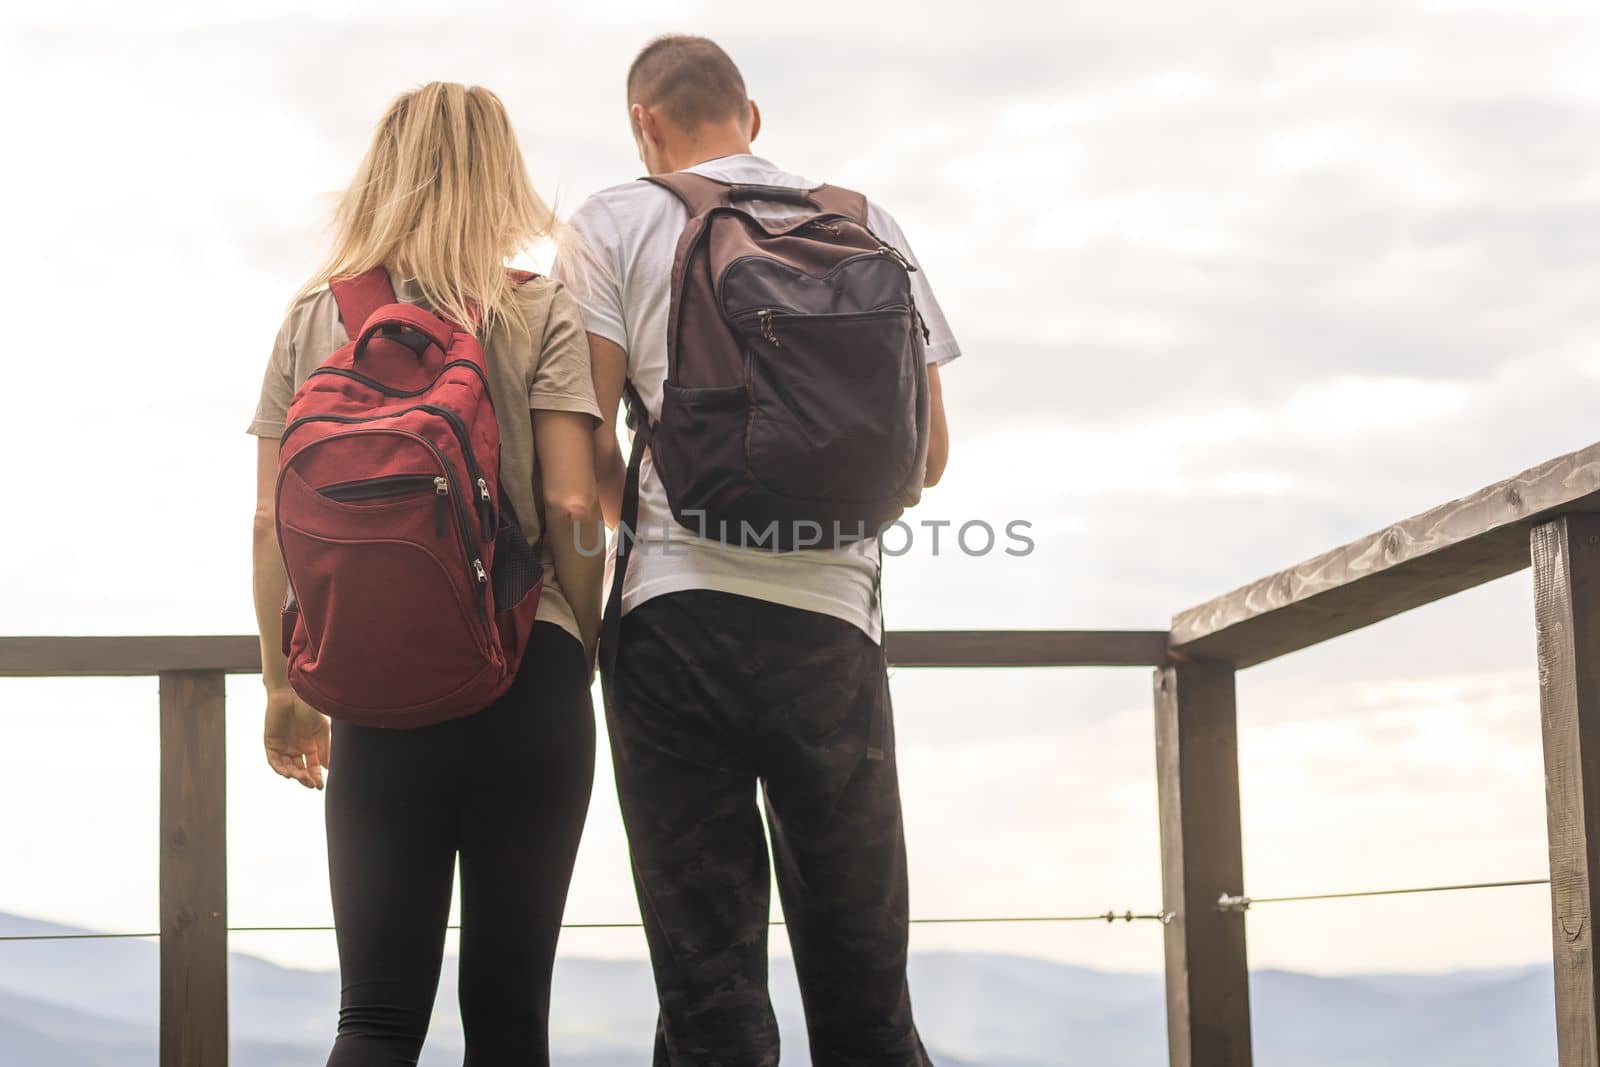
1548,516
1545,516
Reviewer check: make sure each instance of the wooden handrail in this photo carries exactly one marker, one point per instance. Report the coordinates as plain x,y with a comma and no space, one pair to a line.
1444,550
57,657
1027,648
50,657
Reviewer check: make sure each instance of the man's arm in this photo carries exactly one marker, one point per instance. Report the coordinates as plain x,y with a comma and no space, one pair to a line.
609,364
938,430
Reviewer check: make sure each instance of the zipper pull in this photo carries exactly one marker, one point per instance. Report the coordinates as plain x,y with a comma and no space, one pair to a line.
485,507
477,567
766,328
441,485
895,254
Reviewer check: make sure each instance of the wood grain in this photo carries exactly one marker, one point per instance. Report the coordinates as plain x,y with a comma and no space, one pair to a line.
1202,857
1445,550
194,872
1566,586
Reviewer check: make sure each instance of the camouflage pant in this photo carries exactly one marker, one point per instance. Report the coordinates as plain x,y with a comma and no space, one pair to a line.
713,695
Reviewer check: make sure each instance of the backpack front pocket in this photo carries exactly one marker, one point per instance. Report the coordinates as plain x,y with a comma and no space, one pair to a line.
700,451
388,606
833,402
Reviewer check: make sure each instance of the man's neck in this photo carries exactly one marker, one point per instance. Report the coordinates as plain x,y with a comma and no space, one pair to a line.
704,149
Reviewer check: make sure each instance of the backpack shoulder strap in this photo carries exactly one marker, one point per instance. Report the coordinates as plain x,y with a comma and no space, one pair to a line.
698,193
359,295
837,200
627,530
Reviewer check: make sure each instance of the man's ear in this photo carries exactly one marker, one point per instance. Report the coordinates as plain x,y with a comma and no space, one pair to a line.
755,121
646,133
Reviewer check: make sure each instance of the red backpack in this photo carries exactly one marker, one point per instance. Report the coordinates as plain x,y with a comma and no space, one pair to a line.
412,587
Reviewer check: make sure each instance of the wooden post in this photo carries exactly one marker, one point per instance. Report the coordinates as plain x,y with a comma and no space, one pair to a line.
194,880
1202,857
1566,610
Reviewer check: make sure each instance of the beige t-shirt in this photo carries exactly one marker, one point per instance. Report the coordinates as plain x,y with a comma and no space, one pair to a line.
546,369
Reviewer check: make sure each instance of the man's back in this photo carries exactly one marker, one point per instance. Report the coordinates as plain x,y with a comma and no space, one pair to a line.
740,679
620,268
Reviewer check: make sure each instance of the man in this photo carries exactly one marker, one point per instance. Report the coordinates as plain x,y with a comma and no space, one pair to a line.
738,666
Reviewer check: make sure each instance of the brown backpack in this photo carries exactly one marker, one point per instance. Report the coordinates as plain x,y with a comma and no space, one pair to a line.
795,409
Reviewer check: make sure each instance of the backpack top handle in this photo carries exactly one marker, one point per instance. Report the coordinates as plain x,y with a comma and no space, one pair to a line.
782,194
395,319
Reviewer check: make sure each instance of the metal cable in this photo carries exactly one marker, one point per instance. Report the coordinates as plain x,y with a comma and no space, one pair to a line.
1227,902
1105,917
69,937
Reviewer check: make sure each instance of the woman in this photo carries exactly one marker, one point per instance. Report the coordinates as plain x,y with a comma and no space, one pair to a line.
442,200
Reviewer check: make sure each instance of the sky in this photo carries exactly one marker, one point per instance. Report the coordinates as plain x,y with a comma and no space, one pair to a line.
1235,283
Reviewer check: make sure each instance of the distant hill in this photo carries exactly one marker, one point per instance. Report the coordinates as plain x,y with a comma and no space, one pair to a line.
94,1004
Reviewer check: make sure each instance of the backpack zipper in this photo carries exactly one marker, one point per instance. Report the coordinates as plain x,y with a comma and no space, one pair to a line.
485,497
463,519
389,485
386,390
485,500
463,438
883,251
393,486
893,253
441,491
766,316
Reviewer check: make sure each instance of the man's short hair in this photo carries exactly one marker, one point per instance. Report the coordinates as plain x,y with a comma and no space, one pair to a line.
690,79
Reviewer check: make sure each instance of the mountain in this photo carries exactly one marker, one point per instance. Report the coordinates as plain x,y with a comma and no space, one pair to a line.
94,1004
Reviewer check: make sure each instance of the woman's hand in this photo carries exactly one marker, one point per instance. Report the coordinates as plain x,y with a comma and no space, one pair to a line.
297,738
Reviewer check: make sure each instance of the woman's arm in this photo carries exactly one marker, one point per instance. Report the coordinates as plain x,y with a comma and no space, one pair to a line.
296,735
564,443
609,365
270,583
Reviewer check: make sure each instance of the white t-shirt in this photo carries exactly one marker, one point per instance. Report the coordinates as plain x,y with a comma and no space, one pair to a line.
620,269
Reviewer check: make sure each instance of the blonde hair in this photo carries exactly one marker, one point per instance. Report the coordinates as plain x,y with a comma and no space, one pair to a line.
443,197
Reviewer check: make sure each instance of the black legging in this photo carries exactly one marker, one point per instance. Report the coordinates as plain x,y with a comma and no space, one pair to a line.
507,788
